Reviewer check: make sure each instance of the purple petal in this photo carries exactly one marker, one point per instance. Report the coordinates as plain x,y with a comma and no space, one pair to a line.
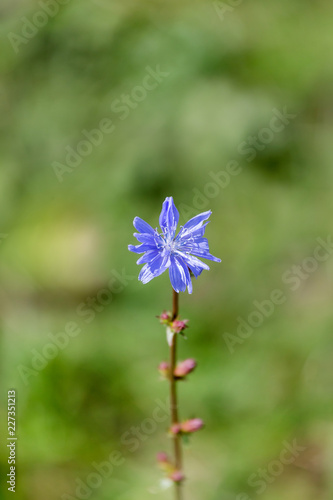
154,268
141,248
194,224
145,238
194,264
211,257
142,226
197,233
190,244
179,275
199,247
169,217
147,257
204,254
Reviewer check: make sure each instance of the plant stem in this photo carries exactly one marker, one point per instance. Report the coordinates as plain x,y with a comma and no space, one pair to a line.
173,397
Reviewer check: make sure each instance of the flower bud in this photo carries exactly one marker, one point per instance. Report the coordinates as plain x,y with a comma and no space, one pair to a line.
164,369
175,428
191,425
178,326
165,318
162,457
184,368
164,463
177,476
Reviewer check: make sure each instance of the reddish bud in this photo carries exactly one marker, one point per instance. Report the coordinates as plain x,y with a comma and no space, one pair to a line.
164,369
178,326
164,463
191,425
175,428
162,457
177,476
184,368
165,318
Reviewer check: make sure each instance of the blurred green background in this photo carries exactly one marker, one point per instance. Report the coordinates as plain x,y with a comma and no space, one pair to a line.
65,230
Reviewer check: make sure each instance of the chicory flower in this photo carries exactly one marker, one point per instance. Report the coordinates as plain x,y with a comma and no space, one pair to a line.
166,250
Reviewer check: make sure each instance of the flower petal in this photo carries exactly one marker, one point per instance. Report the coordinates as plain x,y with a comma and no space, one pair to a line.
142,226
179,275
204,254
194,224
169,217
154,268
199,247
194,264
145,238
147,257
141,248
196,233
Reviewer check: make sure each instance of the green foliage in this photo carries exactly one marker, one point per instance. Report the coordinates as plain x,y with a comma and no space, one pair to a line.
63,238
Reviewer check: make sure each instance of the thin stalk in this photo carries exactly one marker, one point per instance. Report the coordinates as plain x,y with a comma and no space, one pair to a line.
173,397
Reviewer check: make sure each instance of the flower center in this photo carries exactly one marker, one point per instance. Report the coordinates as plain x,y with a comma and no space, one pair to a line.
170,245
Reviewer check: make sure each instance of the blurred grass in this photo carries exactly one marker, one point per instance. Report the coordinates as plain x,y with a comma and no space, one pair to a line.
65,239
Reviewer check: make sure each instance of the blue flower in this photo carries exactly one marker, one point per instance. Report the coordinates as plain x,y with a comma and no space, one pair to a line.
168,251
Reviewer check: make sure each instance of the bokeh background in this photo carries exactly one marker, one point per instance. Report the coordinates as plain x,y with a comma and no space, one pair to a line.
64,239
